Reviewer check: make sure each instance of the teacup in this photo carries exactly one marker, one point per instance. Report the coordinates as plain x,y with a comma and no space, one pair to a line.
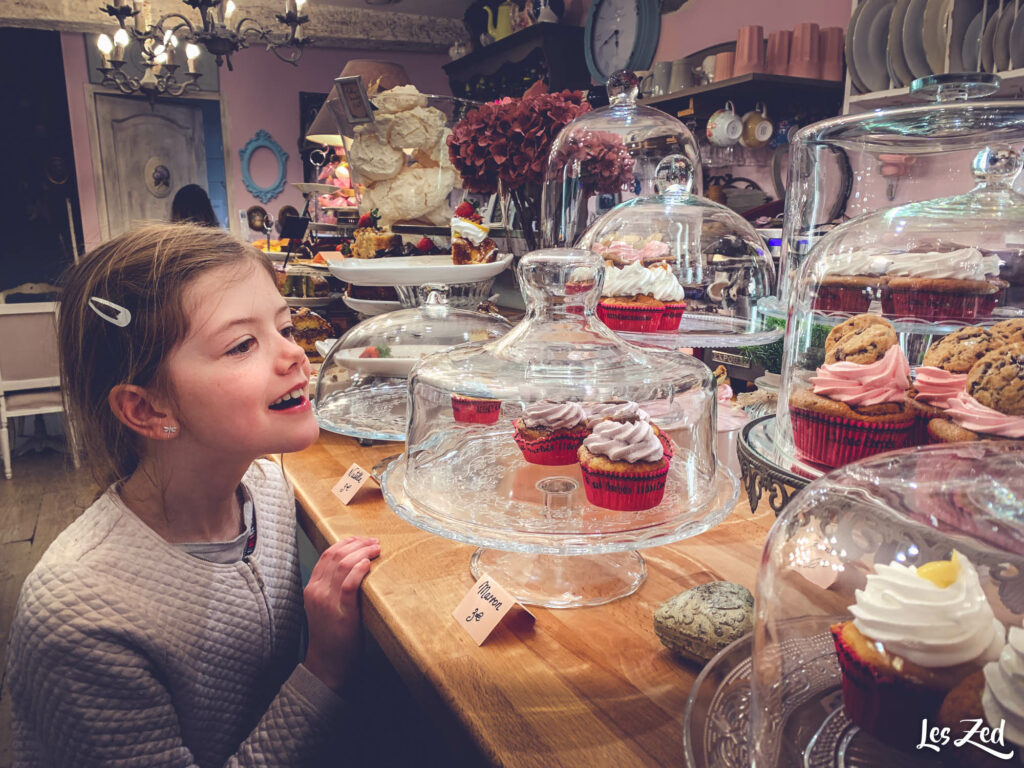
757,128
725,126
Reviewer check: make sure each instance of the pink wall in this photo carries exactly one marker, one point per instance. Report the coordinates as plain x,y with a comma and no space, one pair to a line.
261,92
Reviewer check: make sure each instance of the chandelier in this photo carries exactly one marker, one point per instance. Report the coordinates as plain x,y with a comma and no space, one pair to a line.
216,32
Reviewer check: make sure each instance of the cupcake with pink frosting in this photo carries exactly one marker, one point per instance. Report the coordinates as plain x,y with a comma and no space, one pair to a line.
991,405
550,432
853,410
624,466
623,250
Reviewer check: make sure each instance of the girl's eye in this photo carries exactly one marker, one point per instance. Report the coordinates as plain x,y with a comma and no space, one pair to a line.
242,348
288,331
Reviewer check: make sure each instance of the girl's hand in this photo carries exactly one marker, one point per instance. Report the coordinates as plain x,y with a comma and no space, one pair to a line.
332,608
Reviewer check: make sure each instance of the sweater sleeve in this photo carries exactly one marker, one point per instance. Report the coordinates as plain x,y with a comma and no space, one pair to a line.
84,691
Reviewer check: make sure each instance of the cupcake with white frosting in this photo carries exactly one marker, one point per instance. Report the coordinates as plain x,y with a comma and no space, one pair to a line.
669,291
853,282
624,466
627,299
549,432
961,284
916,633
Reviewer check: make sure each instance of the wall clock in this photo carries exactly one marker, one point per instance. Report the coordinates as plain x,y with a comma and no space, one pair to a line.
621,34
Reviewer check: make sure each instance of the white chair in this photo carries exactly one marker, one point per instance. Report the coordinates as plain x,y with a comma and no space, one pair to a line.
29,370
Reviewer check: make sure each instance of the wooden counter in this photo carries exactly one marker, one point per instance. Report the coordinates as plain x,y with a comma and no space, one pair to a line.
587,687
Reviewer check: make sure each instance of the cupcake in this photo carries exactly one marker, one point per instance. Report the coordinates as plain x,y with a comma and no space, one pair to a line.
852,283
991,404
856,405
624,412
623,250
475,410
624,466
962,284
669,291
915,634
943,375
550,432
627,300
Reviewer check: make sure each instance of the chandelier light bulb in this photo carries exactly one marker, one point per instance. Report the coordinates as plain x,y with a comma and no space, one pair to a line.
229,8
299,5
105,45
161,58
121,37
192,51
167,36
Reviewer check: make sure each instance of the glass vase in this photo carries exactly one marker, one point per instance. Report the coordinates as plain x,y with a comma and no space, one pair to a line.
521,207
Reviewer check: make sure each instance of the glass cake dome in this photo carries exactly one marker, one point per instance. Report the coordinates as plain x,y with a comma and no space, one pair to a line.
845,167
361,390
559,447
717,258
606,156
890,595
876,293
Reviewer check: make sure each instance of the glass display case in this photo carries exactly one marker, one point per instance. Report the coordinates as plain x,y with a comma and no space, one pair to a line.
877,293
561,449
361,390
704,262
888,607
606,156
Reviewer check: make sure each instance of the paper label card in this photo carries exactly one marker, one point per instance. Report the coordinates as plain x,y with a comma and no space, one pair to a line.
353,479
483,608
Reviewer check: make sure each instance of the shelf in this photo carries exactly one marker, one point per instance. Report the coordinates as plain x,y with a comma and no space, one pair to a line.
1011,87
780,92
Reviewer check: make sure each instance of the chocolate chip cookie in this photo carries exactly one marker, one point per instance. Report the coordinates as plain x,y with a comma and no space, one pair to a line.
997,380
960,350
861,339
1009,331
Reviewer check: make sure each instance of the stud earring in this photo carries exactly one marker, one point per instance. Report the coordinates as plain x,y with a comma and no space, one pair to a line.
170,430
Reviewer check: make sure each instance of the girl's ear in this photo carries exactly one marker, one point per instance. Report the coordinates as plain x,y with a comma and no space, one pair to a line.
141,411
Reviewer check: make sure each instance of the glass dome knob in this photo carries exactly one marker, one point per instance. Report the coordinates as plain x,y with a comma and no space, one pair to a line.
955,86
997,164
623,87
674,175
561,276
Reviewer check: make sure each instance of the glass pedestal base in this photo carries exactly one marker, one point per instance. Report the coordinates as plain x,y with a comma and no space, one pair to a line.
562,581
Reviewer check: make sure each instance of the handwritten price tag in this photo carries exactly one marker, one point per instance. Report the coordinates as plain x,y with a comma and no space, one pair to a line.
483,608
350,483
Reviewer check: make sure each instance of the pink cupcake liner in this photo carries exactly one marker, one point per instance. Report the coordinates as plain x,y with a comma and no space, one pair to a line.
838,440
672,316
475,410
624,492
887,707
556,450
630,317
931,305
840,298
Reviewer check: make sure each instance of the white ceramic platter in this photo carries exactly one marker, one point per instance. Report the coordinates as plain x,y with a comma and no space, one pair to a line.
1001,40
372,306
869,43
897,59
972,44
988,63
936,21
401,361
851,65
414,270
323,347
1017,42
913,42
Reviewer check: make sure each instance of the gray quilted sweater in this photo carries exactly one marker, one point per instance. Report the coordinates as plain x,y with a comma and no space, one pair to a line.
126,651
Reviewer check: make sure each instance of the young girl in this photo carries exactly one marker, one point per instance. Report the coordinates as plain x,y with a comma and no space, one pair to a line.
162,628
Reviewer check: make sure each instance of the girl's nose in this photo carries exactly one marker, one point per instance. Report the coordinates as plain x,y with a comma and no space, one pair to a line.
292,354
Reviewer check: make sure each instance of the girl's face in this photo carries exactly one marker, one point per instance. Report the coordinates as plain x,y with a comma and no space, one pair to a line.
237,361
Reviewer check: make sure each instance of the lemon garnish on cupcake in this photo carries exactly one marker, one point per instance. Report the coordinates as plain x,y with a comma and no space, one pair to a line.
941,573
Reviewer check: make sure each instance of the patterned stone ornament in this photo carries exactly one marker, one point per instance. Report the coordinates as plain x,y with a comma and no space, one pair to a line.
701,621
263,140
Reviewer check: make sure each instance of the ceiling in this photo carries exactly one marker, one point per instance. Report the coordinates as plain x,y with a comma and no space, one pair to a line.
451,9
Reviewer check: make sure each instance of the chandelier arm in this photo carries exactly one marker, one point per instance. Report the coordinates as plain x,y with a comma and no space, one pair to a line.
256,29
292,58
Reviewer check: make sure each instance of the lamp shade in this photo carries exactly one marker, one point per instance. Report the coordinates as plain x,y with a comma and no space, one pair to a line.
382,74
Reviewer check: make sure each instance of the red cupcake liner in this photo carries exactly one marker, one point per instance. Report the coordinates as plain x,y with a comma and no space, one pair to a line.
624,492
838,440
931,305
842,298
889,708
634,318
556,450
475,410
672,316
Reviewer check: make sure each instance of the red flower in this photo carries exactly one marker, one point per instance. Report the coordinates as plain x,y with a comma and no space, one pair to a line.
598,159
510,140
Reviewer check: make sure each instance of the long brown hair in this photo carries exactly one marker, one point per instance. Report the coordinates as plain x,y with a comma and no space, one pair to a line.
145,271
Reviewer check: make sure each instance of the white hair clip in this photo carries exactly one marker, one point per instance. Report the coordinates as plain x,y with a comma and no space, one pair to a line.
113,313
